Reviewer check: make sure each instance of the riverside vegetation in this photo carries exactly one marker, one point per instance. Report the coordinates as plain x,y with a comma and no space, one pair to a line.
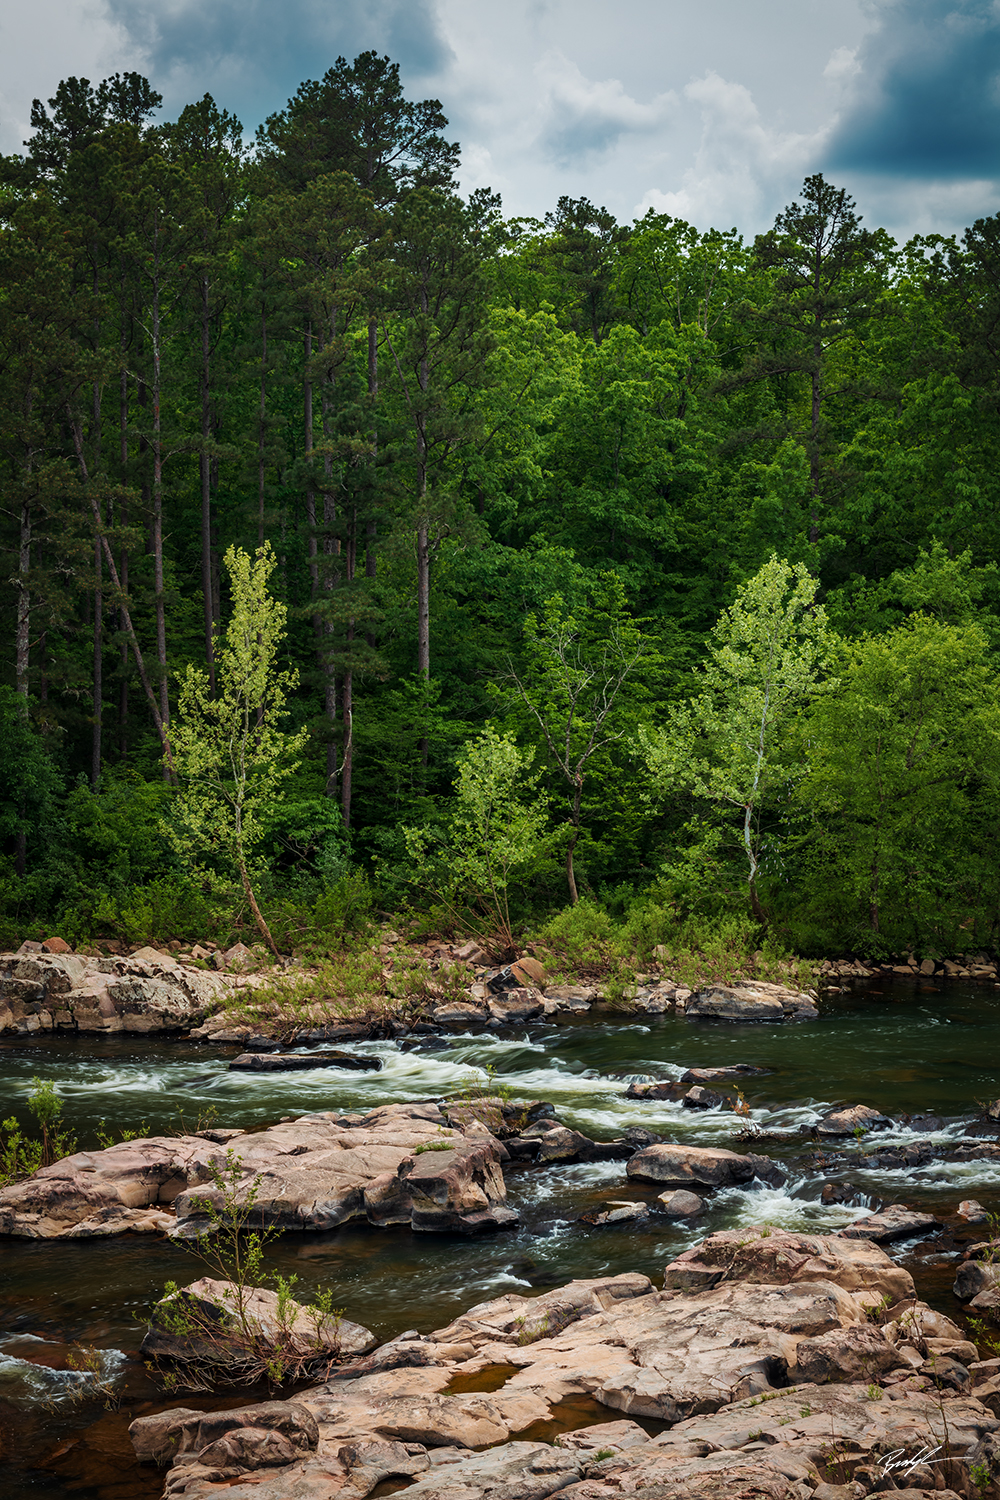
369,554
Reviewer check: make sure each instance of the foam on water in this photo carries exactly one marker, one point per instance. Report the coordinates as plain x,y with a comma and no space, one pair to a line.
794,1206
38,1383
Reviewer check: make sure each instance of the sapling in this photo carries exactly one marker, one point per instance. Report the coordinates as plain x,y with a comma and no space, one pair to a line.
231,1245
228,749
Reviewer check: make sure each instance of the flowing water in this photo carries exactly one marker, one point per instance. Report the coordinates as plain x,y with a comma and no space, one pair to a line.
912,1050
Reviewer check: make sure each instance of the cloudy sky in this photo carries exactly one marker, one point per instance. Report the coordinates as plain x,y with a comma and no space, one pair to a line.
713,111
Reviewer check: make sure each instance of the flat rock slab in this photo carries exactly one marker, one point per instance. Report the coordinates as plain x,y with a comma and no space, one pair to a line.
399,1164
297,1062
725,1366
701,1166
751,1003
897,1222
617,1212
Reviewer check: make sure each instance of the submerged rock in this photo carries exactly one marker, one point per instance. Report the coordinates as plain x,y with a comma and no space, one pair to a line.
735,1070
297,1062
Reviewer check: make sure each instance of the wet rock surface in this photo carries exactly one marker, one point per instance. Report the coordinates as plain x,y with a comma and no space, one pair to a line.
771,1382
399,1164
897,1222
44,993
704,1166
855,1119
292,1062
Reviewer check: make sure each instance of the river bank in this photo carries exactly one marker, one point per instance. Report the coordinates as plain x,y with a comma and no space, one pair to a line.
912,1050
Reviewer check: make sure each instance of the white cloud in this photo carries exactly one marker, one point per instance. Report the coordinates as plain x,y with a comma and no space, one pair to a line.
49,40
843,64
741,168
581,114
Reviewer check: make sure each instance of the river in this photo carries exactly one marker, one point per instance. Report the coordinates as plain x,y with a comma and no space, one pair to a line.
912,1049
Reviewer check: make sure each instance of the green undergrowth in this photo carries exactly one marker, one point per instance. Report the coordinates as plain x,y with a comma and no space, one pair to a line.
586,944
356,981
371,979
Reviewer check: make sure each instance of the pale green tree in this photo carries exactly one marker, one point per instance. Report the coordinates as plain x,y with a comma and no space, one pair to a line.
496,833
498,827
728,745
229,751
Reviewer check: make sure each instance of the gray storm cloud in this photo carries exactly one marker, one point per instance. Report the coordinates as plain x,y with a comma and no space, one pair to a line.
253,54
926,99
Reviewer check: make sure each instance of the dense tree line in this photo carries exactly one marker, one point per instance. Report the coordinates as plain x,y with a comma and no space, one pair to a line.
582,482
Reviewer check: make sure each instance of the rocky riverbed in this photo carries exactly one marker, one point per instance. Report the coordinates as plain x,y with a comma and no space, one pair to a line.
774,1363
659,1137
46,988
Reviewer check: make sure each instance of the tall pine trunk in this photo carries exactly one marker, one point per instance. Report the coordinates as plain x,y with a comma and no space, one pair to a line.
205,474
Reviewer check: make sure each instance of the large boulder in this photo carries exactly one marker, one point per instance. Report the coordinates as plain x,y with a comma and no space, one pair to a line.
68,992
751,1002
700,1166
399,1164
780,1257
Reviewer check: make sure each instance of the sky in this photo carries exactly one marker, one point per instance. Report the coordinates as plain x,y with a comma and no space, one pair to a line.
712,111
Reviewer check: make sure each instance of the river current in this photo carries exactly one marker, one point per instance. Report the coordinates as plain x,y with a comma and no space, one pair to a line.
909,1050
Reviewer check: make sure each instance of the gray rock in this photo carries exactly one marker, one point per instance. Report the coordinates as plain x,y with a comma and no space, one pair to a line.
751,1002
618,1211
680,1204
897,1222
973,1277
847,1121
704,1166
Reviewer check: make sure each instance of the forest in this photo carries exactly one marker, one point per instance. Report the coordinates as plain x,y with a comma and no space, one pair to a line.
546,571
